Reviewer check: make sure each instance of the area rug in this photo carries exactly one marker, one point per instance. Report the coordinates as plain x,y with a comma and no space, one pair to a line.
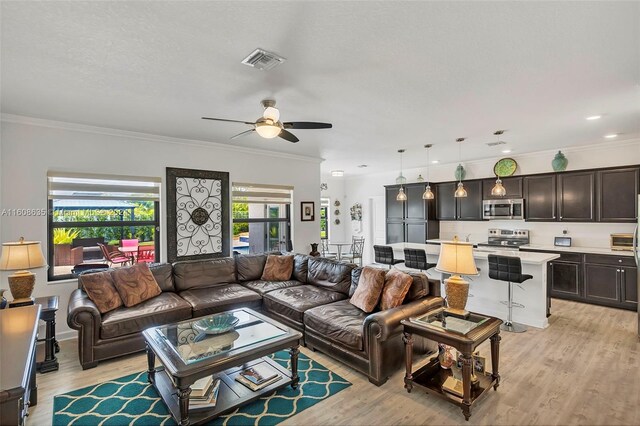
131,400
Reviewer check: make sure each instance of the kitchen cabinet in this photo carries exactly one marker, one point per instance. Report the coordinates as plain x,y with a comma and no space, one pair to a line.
395,232
565,278
617,194
449,207
576,197
413,220
602,283
540,200
513,185
629,285
415,205
395,208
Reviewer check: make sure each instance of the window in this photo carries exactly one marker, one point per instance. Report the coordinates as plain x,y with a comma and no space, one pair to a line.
261,218
324,218
101,219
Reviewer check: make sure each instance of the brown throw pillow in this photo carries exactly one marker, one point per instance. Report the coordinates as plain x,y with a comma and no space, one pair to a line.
101,290
396,287
135,284
369,289
277,268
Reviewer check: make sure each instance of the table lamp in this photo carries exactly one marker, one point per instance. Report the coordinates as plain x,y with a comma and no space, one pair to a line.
20,256
456,258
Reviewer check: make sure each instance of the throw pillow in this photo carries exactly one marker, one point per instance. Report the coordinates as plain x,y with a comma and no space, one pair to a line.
396,287
135,284
101,290
369,289
277,268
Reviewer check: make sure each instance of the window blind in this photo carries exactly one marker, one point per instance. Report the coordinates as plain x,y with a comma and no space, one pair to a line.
82,186
252,193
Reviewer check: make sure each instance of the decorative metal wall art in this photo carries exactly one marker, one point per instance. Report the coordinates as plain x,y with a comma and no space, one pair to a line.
197,214
356,212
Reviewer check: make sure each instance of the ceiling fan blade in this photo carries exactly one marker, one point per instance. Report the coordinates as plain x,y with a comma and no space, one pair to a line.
246,132
230,121
306,125
286,135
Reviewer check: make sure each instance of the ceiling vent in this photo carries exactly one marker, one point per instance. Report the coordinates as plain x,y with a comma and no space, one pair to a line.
496,143
263,60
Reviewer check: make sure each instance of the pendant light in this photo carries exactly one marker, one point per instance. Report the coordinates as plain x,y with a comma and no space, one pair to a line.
498,190
460,191
428,194
401,195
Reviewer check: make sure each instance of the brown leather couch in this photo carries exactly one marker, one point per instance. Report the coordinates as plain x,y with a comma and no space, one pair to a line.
314,300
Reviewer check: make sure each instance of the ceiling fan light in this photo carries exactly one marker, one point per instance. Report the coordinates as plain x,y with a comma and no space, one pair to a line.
401,195
271,113
428,194
460,192
498,190
268,130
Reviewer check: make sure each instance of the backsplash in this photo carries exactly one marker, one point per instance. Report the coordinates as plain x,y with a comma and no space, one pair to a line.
541,233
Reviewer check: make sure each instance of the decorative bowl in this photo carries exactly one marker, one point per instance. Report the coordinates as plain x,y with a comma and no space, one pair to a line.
216,324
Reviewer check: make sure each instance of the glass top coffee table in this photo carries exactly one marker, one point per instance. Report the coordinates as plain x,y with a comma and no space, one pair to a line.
193,349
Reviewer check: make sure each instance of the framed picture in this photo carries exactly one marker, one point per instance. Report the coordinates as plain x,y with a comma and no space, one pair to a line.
307,208
197,214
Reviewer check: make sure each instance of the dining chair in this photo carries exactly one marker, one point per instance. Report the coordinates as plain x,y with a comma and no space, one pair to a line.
114,257
357,248
146,254
324,249
129,243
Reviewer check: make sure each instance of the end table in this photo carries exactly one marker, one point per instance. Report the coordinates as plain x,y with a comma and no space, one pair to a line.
48,315
431,376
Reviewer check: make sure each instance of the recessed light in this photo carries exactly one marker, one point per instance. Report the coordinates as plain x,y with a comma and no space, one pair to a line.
362,166
435,161
337,173
593,117
611,136
506,151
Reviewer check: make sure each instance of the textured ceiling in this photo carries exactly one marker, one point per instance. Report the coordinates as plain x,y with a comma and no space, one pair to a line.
388,75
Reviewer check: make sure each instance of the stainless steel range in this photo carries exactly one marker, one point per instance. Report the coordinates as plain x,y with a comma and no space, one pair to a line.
507,238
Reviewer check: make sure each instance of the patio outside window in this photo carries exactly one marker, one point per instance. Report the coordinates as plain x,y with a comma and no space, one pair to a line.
261,218
98,219
325,203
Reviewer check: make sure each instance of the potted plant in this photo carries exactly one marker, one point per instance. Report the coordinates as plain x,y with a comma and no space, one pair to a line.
62,239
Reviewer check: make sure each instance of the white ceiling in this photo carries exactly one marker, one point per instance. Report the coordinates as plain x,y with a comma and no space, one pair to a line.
388,75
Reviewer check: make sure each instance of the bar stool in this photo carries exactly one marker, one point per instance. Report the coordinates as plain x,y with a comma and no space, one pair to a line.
417,259
507,268
384,255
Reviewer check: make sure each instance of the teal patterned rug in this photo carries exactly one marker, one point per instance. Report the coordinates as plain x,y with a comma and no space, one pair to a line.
131,400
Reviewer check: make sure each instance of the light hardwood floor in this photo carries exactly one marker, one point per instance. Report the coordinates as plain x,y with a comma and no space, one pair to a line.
583,369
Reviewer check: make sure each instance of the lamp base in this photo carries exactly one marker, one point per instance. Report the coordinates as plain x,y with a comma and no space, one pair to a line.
457,293
21,285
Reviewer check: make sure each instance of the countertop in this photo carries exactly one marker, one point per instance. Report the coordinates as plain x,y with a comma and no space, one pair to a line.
592,250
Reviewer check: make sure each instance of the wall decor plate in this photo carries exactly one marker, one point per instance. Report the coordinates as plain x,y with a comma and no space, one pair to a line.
336,203
505,167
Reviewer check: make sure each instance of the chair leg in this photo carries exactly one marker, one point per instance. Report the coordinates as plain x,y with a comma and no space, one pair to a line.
509,325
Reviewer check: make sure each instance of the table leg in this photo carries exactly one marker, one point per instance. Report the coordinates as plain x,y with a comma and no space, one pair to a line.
295,379
407,338
151,361
495,359
183,395
467,365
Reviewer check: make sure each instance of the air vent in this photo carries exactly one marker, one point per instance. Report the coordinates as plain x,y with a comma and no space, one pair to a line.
496,143
263,60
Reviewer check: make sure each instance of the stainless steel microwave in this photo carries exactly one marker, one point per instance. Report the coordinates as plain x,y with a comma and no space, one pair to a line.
510,208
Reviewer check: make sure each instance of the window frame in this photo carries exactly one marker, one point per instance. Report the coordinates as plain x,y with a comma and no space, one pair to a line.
286,219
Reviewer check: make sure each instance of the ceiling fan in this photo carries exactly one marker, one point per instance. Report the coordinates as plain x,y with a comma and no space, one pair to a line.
269,125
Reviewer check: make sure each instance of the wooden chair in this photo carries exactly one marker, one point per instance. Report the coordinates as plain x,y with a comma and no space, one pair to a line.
114,257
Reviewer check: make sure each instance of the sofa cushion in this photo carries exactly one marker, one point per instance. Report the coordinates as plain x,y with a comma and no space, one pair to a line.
135,284
250,266
330,274
370,285
163,273
340,322
261,287
396,286
293,301
204,273
419,286
277,268
163,309
300,267
101,290
211,300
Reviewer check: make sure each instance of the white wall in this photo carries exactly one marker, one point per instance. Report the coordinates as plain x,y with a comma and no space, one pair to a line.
31,147
363,188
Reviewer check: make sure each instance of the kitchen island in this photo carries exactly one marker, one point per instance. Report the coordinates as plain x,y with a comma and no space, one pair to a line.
485,294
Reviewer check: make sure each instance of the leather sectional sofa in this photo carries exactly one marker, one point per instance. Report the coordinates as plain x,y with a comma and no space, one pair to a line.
314,301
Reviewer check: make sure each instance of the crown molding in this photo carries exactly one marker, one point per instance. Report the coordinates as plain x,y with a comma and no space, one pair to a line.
65,125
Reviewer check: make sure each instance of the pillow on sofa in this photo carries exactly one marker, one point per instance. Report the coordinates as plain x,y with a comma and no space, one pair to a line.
101,290
369,289
135,284
277,268
396,287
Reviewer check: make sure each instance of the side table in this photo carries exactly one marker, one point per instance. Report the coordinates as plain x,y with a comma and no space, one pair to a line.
431,376
49,306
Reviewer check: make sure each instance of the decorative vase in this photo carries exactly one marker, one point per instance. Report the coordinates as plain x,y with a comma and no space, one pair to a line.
3,300
314,250
559,162
446,357
460,172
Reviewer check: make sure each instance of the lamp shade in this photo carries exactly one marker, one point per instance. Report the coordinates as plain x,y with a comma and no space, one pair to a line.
21,255
456,258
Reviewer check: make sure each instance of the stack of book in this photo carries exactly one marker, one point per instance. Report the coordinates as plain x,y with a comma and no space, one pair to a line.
204,393
259,376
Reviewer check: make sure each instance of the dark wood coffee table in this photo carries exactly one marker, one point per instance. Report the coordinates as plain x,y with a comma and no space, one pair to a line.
431,376
187,355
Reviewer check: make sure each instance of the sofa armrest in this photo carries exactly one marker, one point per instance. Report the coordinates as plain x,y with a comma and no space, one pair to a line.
83,315
381,325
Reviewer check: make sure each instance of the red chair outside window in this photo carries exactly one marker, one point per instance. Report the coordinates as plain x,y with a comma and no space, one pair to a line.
146,254
114,257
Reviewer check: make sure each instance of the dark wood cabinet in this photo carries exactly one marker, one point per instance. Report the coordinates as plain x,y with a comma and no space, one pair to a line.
415,232
395,232
446,205
413,220
617,194
576,197
540,200
601,283
395,208
629,284
415,205
513,185
565,279
470,207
